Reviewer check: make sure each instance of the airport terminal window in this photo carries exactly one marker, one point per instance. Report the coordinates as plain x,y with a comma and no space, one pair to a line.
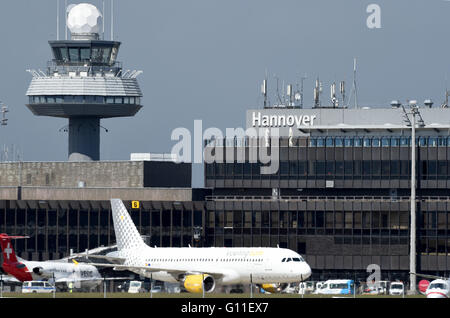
367,142
320,142
329,142
422,141
357,142
338,142
405,141
375,142
395,142
348,142
385,142
312,142
432,142
442,142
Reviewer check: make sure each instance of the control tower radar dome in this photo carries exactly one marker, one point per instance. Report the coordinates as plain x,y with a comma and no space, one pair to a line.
84,19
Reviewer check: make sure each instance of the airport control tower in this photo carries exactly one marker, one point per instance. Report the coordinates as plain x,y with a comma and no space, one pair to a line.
84,83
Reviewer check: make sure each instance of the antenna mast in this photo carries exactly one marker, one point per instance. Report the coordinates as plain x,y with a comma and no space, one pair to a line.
57,20
65,15
354,89
112,20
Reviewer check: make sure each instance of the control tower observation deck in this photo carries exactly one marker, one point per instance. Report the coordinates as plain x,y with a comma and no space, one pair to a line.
84,83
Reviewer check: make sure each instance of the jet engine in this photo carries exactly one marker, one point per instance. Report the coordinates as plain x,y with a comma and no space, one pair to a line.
274,288
193,283
40,271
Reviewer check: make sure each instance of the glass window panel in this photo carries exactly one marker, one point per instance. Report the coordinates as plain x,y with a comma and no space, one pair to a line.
97,54
348,142
118,100
85,54
74,54
367,142
106,55
357,142
64,54
99,99
110,100
432,141
312,142
329,142
405,141
395,142
385,142
376,142
320,142
338,142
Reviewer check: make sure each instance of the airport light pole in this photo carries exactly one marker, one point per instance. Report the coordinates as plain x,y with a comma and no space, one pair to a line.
413,227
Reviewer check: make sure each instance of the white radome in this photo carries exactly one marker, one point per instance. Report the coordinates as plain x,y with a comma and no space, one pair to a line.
84,18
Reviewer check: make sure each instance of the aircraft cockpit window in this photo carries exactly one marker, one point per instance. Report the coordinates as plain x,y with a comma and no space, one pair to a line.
283,260
289,260
296,259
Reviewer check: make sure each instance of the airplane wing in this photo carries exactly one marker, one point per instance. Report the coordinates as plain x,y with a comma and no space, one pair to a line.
115,260
69,280
430,276
152,269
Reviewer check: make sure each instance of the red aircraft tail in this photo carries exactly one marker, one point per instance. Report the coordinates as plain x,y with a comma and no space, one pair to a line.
9,256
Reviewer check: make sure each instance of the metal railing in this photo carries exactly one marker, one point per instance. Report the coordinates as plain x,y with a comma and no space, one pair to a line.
325,198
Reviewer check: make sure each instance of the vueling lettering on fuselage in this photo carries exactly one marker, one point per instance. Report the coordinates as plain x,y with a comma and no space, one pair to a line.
259,120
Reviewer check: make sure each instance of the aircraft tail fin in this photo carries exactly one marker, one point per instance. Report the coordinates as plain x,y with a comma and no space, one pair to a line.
127,235
9,255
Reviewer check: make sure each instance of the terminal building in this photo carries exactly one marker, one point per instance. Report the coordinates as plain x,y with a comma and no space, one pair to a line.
340,195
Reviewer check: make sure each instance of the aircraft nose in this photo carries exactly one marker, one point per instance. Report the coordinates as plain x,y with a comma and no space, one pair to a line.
305,271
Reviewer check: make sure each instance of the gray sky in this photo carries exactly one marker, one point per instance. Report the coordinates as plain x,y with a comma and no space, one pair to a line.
205,59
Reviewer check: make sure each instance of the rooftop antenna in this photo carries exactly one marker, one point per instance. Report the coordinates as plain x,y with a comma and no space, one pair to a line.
264,90
103,20
4,110
334,100
112,20
342,91
301,89
445,104
354,90
290,95
317,92
65,23
57,20
278,90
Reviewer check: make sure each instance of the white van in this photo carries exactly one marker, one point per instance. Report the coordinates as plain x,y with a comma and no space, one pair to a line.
37,287
135,287
397,288
336,287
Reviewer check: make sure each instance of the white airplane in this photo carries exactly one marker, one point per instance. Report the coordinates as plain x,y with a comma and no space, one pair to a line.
202,269
61,271
438,288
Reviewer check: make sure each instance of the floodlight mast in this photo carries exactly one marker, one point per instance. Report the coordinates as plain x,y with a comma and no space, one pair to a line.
413,223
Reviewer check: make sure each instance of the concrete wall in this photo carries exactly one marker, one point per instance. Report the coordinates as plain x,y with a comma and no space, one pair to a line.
107,174
95,194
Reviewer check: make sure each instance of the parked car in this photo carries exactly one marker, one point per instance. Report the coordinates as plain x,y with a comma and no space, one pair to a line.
397,288
37,287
